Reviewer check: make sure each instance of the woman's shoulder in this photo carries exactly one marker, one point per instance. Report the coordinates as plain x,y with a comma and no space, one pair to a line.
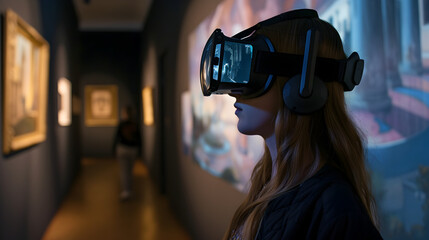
323,190
340,213
336,190
324,205
330,191
328,183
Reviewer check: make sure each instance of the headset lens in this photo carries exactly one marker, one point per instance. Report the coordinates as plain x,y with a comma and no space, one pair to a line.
225,65
236,62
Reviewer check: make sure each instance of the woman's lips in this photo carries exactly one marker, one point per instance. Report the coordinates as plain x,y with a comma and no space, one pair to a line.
239,109
237,106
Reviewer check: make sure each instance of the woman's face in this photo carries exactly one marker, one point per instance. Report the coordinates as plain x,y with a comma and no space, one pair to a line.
256,116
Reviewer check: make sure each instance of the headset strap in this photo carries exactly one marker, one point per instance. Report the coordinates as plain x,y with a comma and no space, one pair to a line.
288,65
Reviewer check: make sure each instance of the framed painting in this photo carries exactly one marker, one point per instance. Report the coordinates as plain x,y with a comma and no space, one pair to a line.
64,102
101,105
25,77
147,104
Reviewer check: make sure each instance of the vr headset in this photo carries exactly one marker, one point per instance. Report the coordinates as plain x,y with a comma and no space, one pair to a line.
246,64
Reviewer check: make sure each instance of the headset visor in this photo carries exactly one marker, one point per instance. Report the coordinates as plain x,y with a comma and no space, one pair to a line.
225,64
246,63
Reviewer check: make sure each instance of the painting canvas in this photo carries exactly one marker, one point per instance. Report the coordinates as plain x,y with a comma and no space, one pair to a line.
64,102
26,55
101,105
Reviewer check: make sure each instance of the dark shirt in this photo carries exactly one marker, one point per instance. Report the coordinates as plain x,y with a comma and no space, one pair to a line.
323,207
128,134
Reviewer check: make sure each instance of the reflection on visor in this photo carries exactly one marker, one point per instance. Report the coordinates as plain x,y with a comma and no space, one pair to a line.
216,66
237,60
205,67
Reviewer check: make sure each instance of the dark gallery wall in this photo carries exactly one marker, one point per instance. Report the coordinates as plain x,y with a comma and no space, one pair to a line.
108,58
33,181
204,203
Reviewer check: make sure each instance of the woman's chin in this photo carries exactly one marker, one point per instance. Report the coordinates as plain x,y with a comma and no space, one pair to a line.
246,130
240,128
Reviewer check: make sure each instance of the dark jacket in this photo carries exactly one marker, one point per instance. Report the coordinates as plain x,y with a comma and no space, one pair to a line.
323,207
127,134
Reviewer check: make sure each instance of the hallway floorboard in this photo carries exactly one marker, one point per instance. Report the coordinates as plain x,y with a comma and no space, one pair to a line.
92,209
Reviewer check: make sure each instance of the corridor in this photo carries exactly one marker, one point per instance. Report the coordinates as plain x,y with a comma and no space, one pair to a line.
92,210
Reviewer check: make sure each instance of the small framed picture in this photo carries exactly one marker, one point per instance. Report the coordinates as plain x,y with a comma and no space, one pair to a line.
101,105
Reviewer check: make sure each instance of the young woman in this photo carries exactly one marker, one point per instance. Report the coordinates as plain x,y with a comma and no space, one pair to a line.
126,147
311,183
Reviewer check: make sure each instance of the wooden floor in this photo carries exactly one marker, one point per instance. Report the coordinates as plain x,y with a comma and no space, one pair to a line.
92,209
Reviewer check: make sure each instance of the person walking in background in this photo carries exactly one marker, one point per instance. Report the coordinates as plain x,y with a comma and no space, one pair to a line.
127,145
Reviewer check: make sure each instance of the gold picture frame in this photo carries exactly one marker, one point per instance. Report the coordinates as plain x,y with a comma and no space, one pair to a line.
101,105
25,78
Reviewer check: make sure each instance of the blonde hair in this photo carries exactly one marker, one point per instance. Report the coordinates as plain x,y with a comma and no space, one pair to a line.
331,136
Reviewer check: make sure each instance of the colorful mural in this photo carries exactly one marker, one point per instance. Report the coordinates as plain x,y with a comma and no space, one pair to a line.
391,106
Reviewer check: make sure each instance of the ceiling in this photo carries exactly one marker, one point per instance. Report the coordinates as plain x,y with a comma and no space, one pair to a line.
112,15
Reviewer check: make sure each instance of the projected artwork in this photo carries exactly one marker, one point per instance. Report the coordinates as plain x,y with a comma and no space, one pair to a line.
391,105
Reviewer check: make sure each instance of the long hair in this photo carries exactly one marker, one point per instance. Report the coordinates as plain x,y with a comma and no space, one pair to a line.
305,142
